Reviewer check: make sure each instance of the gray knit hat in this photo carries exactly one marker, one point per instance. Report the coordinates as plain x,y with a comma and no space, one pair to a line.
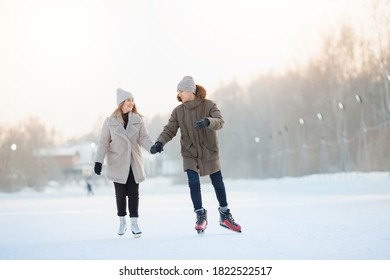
122,95
187,84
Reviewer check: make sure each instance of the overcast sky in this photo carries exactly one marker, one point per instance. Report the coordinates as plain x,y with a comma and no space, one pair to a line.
63,60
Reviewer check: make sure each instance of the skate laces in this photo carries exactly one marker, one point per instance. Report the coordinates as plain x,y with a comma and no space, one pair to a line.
200,218
229,217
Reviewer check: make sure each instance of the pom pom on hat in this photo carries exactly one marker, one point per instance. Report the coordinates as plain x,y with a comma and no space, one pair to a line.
122,95
187,84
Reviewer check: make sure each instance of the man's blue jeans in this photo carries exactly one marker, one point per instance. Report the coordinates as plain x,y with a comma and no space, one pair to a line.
196,195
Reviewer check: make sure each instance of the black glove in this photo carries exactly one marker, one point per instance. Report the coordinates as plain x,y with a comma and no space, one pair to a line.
156,148
98,168
202,123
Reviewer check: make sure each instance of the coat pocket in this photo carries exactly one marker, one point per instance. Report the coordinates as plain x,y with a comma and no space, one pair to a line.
188,148
113,159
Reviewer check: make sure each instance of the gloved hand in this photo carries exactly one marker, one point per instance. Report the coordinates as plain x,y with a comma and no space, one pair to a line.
202,123
98,168
156,148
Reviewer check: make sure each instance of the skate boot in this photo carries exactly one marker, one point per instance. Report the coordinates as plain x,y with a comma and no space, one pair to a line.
226,220
122,225
134,228
201,220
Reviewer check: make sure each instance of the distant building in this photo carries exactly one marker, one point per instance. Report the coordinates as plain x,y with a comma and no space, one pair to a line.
73,162
59,163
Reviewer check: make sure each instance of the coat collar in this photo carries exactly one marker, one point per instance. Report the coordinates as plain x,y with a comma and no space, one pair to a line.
133,119
190,105
131,130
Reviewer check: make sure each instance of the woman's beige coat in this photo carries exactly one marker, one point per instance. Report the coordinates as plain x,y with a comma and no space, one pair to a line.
199,147
122,148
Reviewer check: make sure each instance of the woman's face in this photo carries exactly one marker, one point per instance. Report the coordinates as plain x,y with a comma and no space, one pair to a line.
186,95
128,105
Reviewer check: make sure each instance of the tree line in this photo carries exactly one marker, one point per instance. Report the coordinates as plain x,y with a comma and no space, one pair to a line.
19,164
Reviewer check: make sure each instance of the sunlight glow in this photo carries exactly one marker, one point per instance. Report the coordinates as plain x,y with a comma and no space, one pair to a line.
61,55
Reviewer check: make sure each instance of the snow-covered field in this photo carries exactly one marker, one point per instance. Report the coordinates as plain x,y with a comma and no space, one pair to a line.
318,227
319,217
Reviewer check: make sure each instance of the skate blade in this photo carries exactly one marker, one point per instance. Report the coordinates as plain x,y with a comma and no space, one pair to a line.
200,230
224,226
137,235
121,234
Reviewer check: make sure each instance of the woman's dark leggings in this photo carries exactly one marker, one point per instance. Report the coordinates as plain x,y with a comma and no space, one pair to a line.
130,190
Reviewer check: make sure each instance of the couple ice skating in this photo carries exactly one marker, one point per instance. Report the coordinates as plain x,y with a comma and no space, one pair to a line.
123,133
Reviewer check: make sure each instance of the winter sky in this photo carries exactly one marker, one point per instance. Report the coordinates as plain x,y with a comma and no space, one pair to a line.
63,60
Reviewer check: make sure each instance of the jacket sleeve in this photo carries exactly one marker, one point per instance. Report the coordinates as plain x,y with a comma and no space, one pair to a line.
144,139
104,143
170,129
215,118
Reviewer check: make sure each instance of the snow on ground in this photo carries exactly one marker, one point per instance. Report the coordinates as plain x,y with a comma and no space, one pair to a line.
318,217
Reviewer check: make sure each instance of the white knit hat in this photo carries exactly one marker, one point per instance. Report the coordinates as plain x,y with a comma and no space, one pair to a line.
187,84
122,95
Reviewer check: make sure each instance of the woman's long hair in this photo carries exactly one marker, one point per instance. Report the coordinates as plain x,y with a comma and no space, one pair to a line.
199,92
118,112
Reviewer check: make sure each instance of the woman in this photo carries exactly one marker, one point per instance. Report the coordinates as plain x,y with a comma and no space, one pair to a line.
122,135
198,119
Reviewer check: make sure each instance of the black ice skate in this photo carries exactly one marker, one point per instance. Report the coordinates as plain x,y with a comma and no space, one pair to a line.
201,220
226,220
